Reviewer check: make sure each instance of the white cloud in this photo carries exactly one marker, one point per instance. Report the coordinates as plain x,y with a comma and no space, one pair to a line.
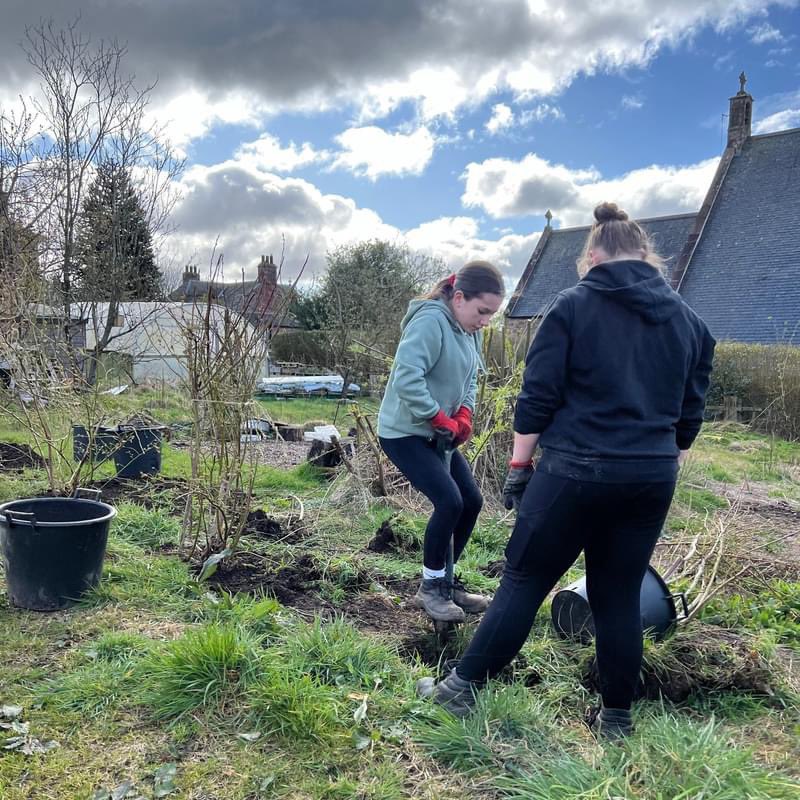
440,55
251,212
506,188
267,153
457,240
502,118
632,102
191,114
541,112
760,34
779,121
373,152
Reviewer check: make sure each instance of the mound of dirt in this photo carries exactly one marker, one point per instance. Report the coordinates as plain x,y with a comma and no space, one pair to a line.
704,658
495,568
259,523
16,457
246,572
386,540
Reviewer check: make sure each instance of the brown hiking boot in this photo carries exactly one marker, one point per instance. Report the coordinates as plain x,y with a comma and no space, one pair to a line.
433,596
453,693
471,602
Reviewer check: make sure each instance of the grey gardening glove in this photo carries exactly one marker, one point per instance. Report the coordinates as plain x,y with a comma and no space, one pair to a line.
514,487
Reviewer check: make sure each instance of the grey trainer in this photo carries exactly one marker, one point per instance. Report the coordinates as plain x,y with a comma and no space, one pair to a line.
471,602
610,724
453,693
433,596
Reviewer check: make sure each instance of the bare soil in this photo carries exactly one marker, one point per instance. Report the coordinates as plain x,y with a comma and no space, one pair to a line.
16,457
148,492
390,613
387,541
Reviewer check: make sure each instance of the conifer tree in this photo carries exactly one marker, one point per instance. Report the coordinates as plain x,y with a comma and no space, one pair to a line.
114,243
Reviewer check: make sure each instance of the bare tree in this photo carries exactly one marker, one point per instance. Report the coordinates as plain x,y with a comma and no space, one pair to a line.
92,112
226,351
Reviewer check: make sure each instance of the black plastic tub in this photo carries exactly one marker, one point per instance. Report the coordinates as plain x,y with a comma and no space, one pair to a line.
571,613
53,549
139,452
104,443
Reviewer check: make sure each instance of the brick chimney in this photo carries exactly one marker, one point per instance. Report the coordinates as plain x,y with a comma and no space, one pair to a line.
190,273
267,282
740,118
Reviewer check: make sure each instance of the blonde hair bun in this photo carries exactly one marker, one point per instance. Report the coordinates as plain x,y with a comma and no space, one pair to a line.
608,212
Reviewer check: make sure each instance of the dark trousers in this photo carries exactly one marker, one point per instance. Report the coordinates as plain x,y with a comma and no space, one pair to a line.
616,526
455,496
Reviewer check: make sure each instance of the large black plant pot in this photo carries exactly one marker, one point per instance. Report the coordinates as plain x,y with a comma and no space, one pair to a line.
53,549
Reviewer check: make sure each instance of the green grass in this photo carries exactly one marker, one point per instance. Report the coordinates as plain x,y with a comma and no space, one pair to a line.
250,699
147,529
292,705
298,410
299,480
205,669
336,653
776,608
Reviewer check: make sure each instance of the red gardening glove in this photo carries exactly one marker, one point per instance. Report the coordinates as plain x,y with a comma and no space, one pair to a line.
441,422
463,418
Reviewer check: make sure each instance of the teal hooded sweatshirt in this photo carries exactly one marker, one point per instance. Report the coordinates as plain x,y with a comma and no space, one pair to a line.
435,368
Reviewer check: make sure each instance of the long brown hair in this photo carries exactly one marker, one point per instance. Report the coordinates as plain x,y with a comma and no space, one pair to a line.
615,233
473,279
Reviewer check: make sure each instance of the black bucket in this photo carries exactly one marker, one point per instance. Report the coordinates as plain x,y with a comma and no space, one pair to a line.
104,443
53,549
572,616
139,452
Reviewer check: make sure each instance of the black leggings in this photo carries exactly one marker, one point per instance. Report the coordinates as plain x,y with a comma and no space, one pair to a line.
616,525
456,498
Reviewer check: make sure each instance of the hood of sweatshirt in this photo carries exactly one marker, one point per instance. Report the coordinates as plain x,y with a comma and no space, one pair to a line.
637,286
432,307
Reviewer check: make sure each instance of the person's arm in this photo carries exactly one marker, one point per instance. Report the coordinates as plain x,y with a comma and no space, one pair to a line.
545,373
694,398
417,353
472,392
524,446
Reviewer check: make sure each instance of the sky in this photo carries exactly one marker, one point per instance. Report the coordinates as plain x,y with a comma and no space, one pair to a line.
448,125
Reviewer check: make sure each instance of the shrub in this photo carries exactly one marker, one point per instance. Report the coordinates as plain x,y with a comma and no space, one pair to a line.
762,377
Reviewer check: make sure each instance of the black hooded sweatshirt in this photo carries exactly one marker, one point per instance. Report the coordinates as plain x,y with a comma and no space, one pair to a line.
616,377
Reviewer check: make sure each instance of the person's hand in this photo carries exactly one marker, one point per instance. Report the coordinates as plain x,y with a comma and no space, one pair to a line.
682,456
516,481
441,422
463,418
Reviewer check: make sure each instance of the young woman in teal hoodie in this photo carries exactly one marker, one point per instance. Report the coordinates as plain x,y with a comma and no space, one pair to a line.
431,392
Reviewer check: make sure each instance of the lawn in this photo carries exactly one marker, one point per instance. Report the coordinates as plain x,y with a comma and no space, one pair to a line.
290,673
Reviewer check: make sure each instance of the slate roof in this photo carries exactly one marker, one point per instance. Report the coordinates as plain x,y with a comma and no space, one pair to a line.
552,267
744,275
240,297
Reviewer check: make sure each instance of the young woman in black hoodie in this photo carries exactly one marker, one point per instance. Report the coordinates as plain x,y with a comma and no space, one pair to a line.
613,393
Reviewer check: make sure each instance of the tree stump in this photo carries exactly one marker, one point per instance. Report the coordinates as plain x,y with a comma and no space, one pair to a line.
289,433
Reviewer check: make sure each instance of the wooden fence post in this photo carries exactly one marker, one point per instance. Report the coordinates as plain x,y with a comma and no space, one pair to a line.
730,405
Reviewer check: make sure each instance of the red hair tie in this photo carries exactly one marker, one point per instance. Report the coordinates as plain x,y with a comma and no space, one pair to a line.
452,280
